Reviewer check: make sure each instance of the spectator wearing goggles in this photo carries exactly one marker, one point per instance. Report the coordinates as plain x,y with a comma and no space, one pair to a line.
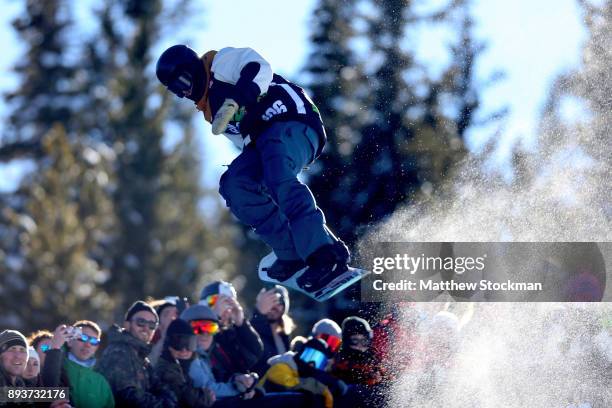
237,345
173,367
205,325
328,331
305,372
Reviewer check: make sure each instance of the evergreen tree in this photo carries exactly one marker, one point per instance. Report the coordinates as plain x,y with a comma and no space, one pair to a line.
593,81
160,238
398,143
46,93
125,220
588,87
53,275
393,136
339,89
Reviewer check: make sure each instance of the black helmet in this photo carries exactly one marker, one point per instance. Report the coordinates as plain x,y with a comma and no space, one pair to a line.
181,70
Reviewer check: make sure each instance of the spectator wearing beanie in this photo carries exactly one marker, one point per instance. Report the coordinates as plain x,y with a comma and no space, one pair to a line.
31,375
177,355
13,358
328,331
125,365
273,324
237,345
355,363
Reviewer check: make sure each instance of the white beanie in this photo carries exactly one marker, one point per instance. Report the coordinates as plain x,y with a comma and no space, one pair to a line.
326,326
33,354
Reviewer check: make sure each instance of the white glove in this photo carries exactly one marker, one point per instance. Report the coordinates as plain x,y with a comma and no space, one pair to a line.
225,113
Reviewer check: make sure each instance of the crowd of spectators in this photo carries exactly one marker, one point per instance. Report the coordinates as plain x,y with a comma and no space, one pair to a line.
170,353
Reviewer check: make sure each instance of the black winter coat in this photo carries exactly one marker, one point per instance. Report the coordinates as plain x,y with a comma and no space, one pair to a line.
171,373
262,327
236,350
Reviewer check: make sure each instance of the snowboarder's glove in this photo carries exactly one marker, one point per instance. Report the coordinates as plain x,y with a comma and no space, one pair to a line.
225,113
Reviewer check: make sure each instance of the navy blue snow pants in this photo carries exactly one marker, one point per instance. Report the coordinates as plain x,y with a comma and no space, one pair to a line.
261,188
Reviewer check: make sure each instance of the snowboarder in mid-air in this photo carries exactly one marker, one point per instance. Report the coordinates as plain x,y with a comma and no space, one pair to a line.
280,131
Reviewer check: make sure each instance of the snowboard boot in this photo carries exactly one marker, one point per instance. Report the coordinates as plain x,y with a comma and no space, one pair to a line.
324,265
281,269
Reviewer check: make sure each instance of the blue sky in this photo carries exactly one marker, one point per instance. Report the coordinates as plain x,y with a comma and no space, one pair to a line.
531,41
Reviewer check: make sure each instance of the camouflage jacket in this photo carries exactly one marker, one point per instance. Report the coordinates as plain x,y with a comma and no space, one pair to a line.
172,372
125,365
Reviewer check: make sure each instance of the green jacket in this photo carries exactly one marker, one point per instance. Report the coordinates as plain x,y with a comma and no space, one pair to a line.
88,389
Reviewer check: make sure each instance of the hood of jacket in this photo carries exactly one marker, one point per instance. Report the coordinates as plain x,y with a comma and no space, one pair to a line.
286,358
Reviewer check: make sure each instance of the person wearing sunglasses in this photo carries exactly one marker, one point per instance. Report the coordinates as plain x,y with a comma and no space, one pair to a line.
173,366
205,325
280,131
41,341
125,365
238,347
87,387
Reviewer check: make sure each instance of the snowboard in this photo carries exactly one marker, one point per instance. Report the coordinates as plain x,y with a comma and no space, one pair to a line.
347,279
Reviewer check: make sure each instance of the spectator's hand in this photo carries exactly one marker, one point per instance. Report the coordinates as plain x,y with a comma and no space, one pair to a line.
244,381
62,403
223,116
59,337
209,397
304,370
236,310
266,300
248,395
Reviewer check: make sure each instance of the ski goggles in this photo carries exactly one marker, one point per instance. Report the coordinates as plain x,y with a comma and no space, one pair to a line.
316,357
45,347
211,300
182,342
204,327
94,341
181,85
140,322
333,342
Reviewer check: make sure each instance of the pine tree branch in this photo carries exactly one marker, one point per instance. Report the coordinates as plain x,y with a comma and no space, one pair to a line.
17,150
